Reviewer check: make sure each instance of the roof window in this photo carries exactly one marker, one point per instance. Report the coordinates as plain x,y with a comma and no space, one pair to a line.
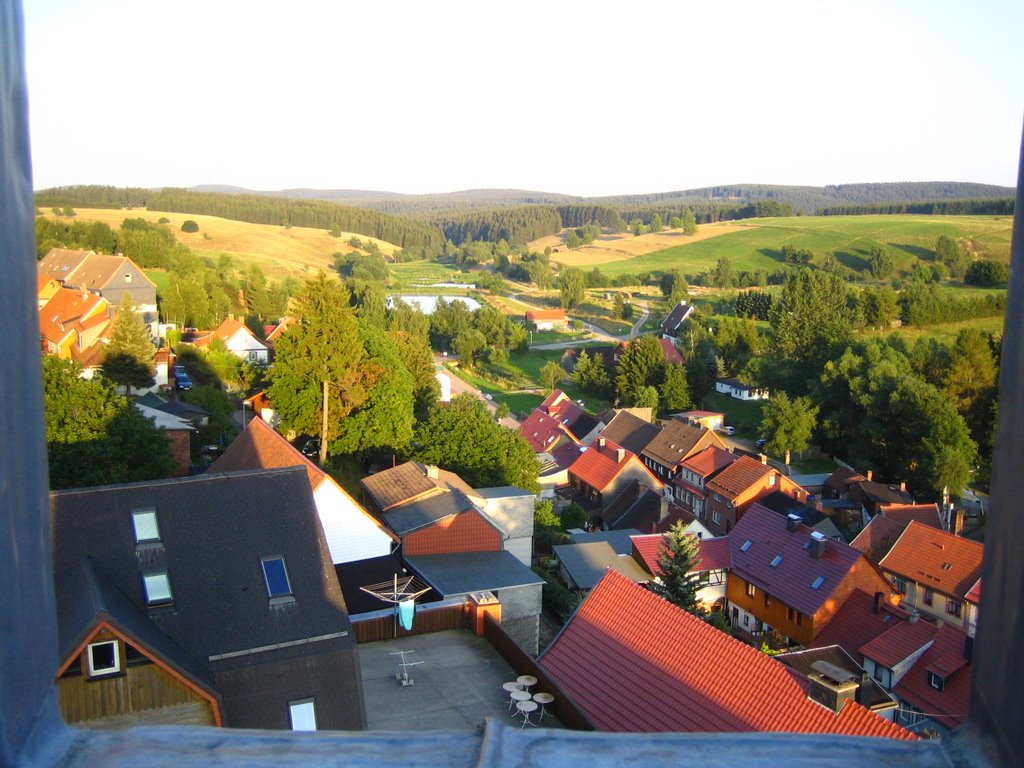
145,526
816,584
158,588
746,545
775,561
275,575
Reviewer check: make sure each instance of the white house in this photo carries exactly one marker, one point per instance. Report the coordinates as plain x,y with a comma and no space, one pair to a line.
239,340
734,388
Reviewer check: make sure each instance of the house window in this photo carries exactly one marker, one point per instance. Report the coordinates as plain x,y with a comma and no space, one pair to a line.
953,607
936,682
145,526
103,658
158,588
928,596
716,517
767,601
900,585
254,356
275,575
909,715
127,277
303,715
751,590
883,676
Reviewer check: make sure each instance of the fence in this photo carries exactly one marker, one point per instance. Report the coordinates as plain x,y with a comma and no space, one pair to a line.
564,708
382,625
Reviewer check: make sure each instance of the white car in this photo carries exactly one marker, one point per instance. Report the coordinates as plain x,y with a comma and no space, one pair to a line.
727,430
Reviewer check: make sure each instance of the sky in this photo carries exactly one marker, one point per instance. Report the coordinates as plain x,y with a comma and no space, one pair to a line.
582,98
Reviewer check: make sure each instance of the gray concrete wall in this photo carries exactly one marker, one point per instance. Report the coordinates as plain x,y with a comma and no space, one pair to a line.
520,615
522,548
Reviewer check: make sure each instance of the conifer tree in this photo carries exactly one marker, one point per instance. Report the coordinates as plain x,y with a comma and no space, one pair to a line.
128,358
677,582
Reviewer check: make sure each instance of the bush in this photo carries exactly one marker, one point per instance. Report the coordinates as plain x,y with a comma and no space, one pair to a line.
573,516
190,226
557,597
987,274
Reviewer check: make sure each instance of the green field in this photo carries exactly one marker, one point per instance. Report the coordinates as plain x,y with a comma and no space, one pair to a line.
850,238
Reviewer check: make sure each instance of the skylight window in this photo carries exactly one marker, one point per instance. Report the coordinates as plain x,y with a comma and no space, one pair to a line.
276,577
746,545
145,526
818,582
158,588
775,561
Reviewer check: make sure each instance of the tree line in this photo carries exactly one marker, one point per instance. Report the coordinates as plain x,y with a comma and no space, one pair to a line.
1002,206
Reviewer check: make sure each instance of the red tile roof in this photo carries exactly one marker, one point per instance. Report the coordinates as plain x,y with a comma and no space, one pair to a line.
669,353
714,553
677,441
541,431
599,465
974,595
545,314
709,461
904,513
791,580
856,623
941,561
738,477
620,659
877,537
947,659
842,478
899,643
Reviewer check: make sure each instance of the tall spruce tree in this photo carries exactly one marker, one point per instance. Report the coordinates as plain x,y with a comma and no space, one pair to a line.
677,582
128,358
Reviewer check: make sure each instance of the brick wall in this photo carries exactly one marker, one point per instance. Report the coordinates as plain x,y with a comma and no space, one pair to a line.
467,532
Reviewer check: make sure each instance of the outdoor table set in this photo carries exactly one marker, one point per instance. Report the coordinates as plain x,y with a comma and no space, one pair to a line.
522,703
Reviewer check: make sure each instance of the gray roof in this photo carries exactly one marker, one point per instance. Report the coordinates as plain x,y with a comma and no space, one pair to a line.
464,572
163,420
419,514
631,432
501,492
586,563
214,528
618,540
802,662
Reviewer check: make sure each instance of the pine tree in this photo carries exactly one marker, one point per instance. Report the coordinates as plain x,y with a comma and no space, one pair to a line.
677,581
128,358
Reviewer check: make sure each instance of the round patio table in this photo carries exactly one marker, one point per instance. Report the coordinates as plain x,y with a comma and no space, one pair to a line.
543,699
526,680
524,708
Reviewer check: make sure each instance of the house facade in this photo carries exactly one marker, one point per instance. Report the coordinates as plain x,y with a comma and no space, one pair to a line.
239,340
546,319
604,470
676,442
737,389
732,490
224,581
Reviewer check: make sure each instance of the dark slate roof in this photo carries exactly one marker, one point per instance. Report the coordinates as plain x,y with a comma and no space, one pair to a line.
791,580
629,431
642,513
88,599
802,662
375,570
583,426
587,563
419,514
214,529
181,409
465,572
618,540
676,317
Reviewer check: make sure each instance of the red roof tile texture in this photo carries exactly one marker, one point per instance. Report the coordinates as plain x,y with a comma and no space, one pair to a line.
856,623
599,465
620,659
899,643
904,513
714,553
739,477
466,532
940,561
878,536
947,659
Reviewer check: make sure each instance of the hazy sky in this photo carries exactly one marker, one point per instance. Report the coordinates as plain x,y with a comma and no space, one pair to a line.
586,98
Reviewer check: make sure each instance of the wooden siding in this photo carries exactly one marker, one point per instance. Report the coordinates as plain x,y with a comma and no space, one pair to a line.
467,532
427,620
138,697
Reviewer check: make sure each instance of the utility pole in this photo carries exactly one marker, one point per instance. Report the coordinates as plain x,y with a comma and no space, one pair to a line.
323,430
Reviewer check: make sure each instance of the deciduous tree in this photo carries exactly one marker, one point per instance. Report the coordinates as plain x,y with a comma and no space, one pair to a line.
550,374
572,286
787,424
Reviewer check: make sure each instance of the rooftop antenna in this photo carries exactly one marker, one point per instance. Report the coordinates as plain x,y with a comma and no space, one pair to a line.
403,676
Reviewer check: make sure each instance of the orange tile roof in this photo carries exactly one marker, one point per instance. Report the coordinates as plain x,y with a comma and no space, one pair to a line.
545,314
940,561
857,623
904,513
974,595
947,657
738,477
877,537
714,553
620,658
709,461
599,465
899,643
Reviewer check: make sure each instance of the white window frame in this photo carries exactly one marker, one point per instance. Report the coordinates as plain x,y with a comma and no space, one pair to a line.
105,671
302,715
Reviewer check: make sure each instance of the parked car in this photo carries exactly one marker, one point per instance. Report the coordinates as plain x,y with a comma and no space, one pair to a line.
760,444
727,430
311,448
181,379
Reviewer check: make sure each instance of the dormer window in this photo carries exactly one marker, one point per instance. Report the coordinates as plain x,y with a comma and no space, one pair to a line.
275,576
936,682
145,526
103,658
157,586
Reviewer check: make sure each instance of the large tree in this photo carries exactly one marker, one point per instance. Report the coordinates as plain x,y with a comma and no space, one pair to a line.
787,424
640,365
465,438
677,582
572,286
128,357
94,436
675,391
319,375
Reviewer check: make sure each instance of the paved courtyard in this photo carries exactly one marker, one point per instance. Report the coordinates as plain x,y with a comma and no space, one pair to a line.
455,688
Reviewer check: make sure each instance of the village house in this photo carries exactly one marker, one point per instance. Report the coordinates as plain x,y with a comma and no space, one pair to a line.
350,531
713,564
207,600
71,320
238,339
676,442
112,277
546,319
602,472
735,487
671,326
737,389
619,659
791,580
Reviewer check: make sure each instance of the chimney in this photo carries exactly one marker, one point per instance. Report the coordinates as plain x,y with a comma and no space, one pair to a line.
600,442
877,605
832,686
913,617
903,487
869,474
663,511
432,472
864,689
958,522
620,455
818,544
764,459
792,522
